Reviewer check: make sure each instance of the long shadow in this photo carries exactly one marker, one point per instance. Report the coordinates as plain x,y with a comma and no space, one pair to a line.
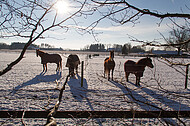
178,106
143,102
38,79
80,93
77,91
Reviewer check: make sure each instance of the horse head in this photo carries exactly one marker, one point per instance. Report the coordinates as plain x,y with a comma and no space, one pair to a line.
111,54
149,62
37,52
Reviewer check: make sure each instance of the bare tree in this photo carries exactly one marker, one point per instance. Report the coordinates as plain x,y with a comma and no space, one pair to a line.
122,12
30,20
126,48
129,13
177,36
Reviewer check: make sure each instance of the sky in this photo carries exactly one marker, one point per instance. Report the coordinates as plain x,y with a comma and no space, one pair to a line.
147,28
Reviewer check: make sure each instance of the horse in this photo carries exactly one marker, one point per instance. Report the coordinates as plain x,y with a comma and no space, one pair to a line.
49,58
137,68
109,65
72,62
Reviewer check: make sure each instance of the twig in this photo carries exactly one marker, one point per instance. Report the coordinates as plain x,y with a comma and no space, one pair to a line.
47,103
50,118
172,63
22,119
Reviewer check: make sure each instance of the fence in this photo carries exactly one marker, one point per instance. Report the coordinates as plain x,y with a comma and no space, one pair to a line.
96,114
186,76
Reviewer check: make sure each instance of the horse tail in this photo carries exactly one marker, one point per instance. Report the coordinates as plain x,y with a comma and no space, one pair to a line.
60,63
106,68
107,71
125,66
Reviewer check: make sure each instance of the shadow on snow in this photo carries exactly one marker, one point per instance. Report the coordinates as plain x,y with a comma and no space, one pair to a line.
80,93
38,79
147,104
77,91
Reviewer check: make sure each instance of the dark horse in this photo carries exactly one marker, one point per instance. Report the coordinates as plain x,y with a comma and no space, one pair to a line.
137,68
72,62
109,64
49,58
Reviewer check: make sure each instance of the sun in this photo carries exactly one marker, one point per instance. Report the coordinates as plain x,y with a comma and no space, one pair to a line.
62,6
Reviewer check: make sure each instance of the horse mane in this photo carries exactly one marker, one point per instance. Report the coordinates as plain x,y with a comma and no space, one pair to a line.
111,57
142,61
41,51
106,59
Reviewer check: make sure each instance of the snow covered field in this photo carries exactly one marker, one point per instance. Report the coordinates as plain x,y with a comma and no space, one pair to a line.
26,88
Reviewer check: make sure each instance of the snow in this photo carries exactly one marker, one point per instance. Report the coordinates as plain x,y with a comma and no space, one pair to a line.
25,87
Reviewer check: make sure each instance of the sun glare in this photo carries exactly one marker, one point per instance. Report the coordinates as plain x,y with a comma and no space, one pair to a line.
62,6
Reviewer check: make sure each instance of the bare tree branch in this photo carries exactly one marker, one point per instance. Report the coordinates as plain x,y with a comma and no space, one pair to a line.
50,118
153,43
35,35
143,11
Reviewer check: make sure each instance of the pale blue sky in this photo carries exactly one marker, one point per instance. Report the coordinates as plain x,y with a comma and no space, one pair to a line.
146,29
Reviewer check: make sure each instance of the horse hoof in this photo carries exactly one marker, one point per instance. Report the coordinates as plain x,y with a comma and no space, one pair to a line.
137,84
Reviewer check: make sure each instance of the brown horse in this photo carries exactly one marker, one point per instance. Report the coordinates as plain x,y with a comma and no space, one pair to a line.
109,65
137,68
72,62
49,58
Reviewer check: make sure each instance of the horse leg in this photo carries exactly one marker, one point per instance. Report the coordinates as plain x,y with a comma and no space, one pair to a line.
77,69
112,74
43,67
57,67
108,74
71,71
104,71
127,76
60,65
137,80
46,67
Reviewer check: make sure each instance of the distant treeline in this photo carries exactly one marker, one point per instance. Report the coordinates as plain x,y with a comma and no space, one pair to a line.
19,45
124,49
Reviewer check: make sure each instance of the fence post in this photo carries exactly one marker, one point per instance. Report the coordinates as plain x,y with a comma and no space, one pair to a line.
186,78
82,67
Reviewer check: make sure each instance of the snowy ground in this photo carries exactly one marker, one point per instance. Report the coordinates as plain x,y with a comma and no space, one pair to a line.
26,88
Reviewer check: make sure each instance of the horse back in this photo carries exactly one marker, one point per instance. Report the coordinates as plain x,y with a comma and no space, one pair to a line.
130,62
51,58
132,67
72,60
129,65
